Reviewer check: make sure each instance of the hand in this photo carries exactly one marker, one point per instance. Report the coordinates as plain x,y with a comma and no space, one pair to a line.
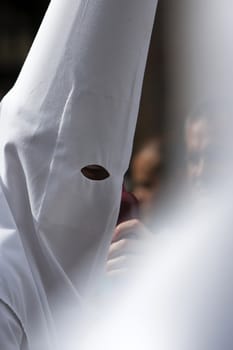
128,245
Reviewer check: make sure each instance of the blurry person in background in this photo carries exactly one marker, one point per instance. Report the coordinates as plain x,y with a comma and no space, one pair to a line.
146,173
198,139
132,231
206,140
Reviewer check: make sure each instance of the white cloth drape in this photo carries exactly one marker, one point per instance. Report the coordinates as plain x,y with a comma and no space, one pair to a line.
75,103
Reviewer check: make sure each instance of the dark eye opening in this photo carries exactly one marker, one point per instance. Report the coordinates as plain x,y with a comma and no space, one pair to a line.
95,172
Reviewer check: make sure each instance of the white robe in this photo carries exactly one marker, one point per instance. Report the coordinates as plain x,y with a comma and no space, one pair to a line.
74,104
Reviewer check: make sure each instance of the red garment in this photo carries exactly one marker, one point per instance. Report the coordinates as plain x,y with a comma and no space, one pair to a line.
129,208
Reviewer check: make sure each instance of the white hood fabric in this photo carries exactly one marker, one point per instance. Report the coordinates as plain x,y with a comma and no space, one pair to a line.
74,104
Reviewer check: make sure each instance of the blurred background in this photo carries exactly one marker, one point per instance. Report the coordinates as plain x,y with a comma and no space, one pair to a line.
19,22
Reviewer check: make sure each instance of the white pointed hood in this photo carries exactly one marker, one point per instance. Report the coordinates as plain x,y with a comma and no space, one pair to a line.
74,104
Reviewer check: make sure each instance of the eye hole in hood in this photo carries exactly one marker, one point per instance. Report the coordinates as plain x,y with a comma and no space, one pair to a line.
95,172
